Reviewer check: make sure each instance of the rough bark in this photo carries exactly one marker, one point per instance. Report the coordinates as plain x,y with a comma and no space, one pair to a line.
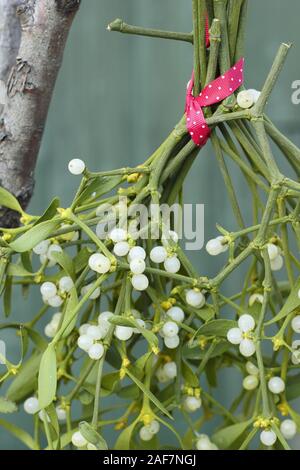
37,30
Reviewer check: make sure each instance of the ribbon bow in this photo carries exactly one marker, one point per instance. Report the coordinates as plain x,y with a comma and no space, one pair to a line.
213,93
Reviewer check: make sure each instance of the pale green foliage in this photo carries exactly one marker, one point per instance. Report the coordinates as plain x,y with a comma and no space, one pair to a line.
129,370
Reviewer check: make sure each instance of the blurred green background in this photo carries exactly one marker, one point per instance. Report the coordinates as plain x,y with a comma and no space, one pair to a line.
118,96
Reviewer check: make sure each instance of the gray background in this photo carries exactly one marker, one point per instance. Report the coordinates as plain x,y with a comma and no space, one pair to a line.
118,96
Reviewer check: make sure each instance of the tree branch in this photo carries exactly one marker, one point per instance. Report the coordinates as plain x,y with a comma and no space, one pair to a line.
44,26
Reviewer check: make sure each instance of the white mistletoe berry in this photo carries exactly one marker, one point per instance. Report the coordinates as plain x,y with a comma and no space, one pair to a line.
250,382
31,405
277,263
41,248
99,263
288,428
195,298
170,370
50,330
83,328
123,333
76,166
121,248
140,282
65,284
203,442
245,99
176,313
145,434
137,266
234,335
215,246
251,368
78,440
154,427
172,342
170,329
296,324
247,347
158,254
273,251
268,437
61,413
246,323
255,94
105,316
136,252
192,404
276,385
55,301
48,290
172,265
84,342
51,250
118,235
95,332
96,351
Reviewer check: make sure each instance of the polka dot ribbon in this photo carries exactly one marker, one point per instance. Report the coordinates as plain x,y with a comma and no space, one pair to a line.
216,91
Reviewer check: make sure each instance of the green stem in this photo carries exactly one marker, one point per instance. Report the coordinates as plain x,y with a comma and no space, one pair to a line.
121,27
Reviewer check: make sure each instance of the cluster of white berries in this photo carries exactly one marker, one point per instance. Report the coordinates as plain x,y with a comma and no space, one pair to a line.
276,259
251,381
31,407
247,98
170,329
52,327
295,324
216,246
148,431
90,336
54,295
166,372
169,333
242,335
288,429
296,353
45,250
192,403
204,443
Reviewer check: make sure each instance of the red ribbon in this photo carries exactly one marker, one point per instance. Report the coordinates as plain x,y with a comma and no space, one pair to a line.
216,91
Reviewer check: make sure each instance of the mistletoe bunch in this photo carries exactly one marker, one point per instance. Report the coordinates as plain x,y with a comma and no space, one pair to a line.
128,316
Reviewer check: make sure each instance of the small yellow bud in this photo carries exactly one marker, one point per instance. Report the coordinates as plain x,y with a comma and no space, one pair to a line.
6,237
147,418
283,409
277,343
133,178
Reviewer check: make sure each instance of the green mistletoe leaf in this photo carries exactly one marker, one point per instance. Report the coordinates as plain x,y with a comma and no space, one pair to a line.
34,236
47,380
9,201
292,302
